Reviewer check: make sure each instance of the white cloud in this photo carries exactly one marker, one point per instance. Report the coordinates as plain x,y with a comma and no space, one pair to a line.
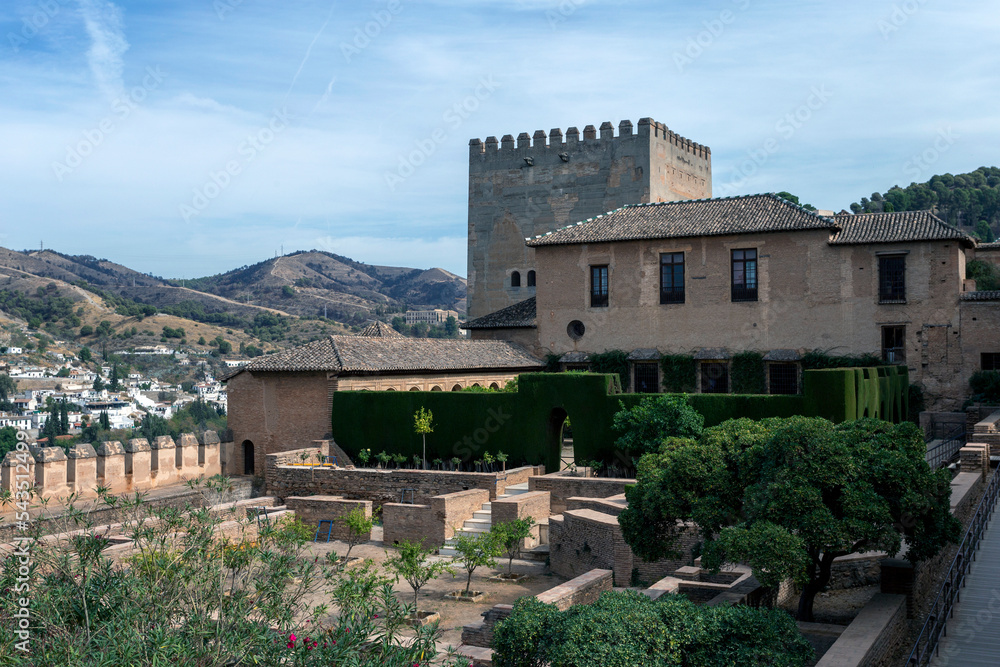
106,29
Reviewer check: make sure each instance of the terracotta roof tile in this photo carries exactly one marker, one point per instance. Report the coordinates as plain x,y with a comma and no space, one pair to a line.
519,316
981,296
379,329
894,228
361,354
690,218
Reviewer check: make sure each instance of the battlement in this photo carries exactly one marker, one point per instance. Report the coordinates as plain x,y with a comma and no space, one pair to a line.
133,467
555,140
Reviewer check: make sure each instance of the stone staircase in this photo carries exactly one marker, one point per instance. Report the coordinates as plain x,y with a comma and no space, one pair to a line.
482,519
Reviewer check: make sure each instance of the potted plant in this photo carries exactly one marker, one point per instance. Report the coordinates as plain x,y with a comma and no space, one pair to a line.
437,464
364,456
488,462
456,464
423,423
399,460
502,458
383,459
359,527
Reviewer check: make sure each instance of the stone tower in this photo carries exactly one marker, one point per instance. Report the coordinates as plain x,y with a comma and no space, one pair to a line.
544,182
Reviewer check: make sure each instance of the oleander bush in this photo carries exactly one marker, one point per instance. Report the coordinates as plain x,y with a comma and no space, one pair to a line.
187,595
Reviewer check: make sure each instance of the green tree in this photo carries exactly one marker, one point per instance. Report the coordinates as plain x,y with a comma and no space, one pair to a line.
8,387
509,536
114,382
644,426
475,551
984,233
63,372
8,440
98,384
359,526
410,563
153,426
986,275
104,420
451,326
85,355
63,417
788,496
103,329
86,330
423,423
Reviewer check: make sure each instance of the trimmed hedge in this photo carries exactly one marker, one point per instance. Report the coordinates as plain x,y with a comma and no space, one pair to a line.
748,373
680,373
527,425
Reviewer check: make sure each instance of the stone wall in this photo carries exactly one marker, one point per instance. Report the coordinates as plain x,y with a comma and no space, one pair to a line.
382,486
534,504
562,486
584,589
987,431
123,469
433,523
582,540
313,509
877,632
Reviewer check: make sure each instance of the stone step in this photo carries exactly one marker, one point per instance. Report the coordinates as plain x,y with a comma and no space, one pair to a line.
481,657
477,523
487,507
472,531
483,514
447,551
539,553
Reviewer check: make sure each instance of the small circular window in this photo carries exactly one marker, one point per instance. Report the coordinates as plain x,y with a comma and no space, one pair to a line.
576,329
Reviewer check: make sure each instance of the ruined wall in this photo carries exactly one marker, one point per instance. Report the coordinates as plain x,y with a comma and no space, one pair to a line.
545,181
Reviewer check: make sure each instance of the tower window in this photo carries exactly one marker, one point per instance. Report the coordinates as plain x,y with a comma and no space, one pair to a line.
515,279
892,279
531,278
672,277
744,275
599,286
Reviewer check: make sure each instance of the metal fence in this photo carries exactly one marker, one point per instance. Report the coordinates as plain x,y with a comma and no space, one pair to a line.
954,581
941,454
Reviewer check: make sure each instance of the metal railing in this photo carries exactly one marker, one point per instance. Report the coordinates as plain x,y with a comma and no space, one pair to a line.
943,608
941,455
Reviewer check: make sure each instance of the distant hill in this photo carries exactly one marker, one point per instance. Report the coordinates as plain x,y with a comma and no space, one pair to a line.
283,301
309,283
968,201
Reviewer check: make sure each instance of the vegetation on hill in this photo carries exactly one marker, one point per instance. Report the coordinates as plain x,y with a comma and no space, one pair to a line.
971,201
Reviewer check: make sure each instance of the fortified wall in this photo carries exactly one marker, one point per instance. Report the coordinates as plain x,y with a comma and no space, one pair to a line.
541,182
138,465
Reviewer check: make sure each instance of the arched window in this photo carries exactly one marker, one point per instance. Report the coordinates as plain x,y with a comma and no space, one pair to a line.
457,387
494,386
515,279
531,278
248,462
436,388
414,388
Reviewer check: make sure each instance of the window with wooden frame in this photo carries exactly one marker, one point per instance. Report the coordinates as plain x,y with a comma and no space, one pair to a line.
744,275
672,277
783,378
599,286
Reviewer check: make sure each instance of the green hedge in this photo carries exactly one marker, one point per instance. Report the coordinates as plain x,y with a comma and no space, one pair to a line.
680,373
527,425
748,373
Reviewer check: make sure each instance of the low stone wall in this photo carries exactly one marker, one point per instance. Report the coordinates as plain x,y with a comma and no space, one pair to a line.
877,632
534,504
380,486
562,486
612,505
136,466
431,524
313,509
584,589
582,540
987,431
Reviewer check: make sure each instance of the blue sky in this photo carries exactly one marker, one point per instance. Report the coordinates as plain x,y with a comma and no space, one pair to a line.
187,138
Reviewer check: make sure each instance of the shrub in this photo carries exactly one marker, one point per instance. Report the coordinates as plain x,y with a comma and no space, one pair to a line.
359,525
410,563
612,361
985,386
644,426
475,551
625,628
748,373
680,373
509,536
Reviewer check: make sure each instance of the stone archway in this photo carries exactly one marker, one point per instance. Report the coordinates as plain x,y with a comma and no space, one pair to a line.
560,437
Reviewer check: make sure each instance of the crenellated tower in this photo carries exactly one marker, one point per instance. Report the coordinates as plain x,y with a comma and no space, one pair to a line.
539,183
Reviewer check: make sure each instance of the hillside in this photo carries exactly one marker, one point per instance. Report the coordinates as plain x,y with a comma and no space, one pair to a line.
968,201
311,283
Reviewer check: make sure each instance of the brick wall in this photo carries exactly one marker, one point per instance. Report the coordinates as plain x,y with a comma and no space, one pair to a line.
383,486
330,508
432,523
534,504
582,540
563,487
613,505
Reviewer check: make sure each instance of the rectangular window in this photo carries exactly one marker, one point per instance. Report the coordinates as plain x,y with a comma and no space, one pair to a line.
894,345
647,377
714,377
989,361
672,277
892,279
744,275
598,286
783,378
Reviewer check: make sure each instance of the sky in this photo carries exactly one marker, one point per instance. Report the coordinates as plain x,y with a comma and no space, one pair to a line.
191,137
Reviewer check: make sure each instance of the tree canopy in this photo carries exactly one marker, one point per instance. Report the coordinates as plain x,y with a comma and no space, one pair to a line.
644,426
788,496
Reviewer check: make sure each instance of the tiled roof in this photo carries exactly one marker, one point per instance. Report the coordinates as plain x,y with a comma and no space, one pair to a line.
379,329
575,357
710,353
995,245
981,296
519,316
895,228
360,354
644,354
783,355
681,219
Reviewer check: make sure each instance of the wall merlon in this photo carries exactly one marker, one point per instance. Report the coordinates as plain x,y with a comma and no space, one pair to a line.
523,140
572,136
625,128
589,132
507,142
607,130
539,139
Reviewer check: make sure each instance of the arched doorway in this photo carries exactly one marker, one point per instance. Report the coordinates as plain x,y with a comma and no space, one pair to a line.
248,457
560,434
